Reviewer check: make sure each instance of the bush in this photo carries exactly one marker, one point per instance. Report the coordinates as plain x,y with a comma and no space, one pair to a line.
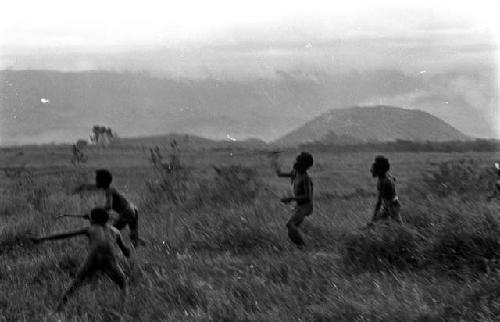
466,241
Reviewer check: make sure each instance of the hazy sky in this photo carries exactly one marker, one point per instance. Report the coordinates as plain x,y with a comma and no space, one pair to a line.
30,28
245,39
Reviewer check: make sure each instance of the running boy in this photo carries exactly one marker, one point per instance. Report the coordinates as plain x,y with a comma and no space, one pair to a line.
102,253
127,211
303,195
387,206
496,191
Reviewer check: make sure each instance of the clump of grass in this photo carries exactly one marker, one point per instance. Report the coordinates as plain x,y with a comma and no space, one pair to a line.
181,293
16,236
466,241
241,237
13,205
454,241
465,177
479,302
233,184
382,246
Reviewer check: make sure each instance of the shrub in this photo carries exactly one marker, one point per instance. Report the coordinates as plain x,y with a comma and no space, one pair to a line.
463,177
241,237
170,180
234,184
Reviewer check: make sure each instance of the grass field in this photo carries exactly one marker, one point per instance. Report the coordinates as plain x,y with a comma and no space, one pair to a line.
217,246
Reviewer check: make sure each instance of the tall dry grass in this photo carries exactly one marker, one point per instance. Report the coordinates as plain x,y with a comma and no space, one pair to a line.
217,247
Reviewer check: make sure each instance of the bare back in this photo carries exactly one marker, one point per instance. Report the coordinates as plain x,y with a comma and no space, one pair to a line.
303,187
103,239
118,202
386,187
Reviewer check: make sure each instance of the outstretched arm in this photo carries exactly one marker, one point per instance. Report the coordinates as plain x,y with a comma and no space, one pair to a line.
85,187
495,193
125,250
84,216
283,174
276,167
70,234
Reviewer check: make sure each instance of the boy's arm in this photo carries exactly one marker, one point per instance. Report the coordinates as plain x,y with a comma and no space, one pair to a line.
283,174
70,234
84,216
85,187
279,173
125,250
109,199
377,206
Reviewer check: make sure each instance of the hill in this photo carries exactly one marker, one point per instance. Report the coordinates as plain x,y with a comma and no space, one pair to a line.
377,123
188,141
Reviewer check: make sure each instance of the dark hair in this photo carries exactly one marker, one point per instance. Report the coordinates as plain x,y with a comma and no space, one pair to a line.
99,216
305,159
381,164
103,178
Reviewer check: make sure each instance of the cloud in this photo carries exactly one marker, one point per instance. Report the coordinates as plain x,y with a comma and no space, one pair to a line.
464,99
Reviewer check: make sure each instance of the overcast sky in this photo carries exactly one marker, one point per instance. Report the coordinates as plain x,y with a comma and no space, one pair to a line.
242,39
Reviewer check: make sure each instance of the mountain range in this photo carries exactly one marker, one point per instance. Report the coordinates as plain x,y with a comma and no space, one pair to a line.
38,106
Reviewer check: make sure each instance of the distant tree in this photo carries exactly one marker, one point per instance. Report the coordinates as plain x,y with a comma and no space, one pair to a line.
81,143
101,135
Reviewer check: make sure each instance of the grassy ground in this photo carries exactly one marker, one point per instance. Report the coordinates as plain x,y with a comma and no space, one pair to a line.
218,249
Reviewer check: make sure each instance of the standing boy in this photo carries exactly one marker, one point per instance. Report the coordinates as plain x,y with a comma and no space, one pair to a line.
302,195
127,211
102,252
496,191
387,206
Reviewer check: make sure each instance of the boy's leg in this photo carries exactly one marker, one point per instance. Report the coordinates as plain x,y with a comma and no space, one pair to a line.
383,213
88,268
133,225
115,273
120,223
293,225
395,212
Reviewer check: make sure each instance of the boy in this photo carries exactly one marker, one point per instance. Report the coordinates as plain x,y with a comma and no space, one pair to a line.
387,206
303,195
496,191
127,211
102,253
